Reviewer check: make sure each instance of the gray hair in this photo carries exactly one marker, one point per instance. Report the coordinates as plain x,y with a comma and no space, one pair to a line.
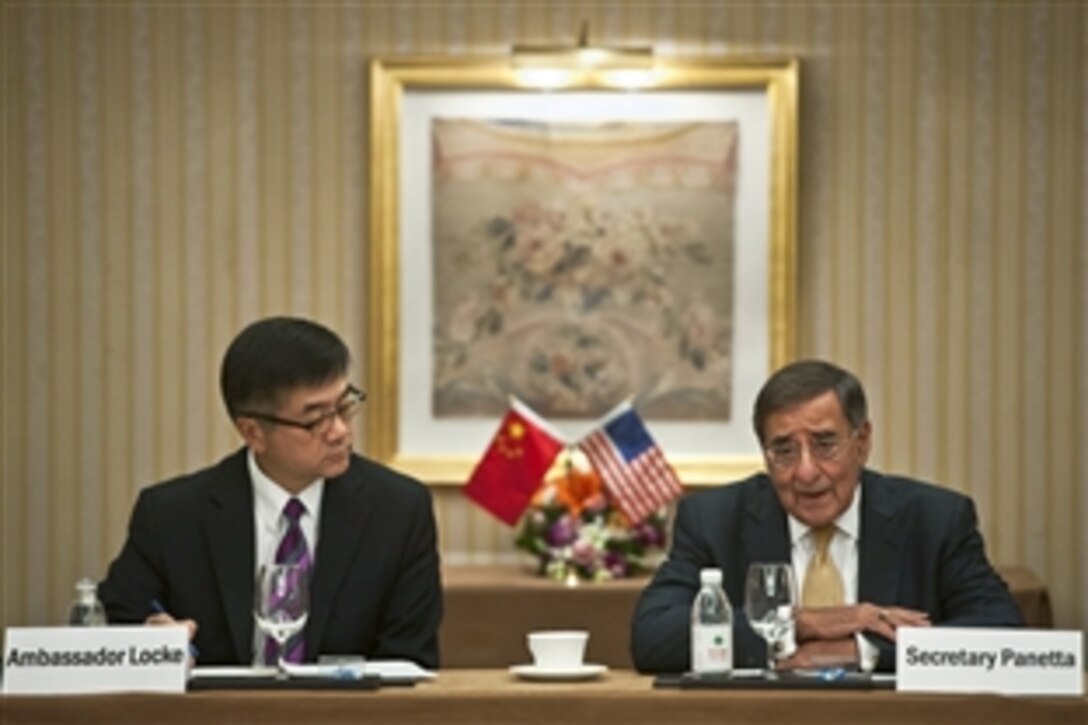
800,382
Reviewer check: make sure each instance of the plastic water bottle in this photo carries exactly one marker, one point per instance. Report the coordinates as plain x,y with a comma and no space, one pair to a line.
87,610
711,626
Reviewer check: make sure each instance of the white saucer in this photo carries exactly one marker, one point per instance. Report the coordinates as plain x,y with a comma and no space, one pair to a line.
582,672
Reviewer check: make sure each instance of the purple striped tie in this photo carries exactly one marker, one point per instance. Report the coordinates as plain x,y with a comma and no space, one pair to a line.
292,550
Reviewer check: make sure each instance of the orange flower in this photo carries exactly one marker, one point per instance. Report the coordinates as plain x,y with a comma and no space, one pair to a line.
577,489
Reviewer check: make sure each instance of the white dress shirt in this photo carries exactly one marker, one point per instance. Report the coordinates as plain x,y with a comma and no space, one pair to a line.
269,525
843,550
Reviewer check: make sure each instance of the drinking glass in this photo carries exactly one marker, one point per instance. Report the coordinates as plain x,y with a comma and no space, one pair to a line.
770,594
282,603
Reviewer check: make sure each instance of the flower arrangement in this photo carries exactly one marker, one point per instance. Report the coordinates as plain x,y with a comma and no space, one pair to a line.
577,534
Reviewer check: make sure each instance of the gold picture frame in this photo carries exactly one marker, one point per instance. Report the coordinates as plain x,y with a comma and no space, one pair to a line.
398,431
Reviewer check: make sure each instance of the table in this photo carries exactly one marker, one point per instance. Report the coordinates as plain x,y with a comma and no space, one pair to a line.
494,696
489,610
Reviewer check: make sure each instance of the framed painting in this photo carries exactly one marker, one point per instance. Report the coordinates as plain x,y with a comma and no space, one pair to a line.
577,248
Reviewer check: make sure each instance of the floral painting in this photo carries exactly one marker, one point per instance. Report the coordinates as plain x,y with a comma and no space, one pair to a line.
580,264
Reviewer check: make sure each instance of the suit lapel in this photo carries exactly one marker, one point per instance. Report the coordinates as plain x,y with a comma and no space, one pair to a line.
881,545
766,537
228,528
346,505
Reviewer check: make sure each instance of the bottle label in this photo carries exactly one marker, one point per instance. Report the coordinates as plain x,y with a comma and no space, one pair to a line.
711,649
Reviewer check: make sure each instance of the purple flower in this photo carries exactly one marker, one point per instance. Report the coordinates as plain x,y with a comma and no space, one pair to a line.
582,552
595,546
614,562
647,534
562,532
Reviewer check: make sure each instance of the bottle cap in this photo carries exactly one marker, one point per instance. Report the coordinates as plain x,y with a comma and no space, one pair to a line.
710,576
87,589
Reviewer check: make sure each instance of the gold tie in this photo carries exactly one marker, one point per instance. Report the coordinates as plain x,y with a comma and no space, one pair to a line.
823,582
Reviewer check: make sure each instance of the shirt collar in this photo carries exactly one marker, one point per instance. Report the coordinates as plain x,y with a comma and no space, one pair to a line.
269,497
848,522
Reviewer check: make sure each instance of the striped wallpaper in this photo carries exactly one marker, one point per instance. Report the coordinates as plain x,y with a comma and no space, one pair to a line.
172,170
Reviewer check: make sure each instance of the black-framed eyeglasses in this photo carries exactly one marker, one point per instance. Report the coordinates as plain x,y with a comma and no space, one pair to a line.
787,454
345,410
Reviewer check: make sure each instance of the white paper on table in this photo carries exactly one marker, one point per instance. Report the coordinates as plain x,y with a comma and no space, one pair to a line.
216,671
337,671
391,671
399,671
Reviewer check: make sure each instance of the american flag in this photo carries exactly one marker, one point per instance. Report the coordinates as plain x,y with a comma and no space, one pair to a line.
631,465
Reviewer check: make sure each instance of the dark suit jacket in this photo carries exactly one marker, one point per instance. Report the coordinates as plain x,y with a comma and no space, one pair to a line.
375,588
919,547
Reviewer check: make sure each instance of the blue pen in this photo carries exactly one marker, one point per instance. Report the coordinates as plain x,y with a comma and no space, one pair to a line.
158,608
831,674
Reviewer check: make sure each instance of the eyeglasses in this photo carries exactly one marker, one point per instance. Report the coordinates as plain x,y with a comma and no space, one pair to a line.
345,410
787,454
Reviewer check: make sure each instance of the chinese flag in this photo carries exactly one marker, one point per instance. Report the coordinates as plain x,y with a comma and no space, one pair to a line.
514,465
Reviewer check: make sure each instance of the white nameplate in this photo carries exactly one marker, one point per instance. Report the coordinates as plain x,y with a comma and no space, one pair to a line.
1005,661
69,660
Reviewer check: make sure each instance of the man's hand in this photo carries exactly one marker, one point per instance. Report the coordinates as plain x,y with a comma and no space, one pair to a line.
833,623
887,619
163,619
825,653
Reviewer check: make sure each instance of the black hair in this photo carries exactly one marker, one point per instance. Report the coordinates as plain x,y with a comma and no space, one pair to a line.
800,382
276,354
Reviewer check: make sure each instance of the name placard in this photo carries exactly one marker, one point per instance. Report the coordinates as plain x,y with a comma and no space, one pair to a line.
1005,661
71,660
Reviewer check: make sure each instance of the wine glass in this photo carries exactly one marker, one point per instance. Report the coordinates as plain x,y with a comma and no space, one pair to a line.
770,595
281,604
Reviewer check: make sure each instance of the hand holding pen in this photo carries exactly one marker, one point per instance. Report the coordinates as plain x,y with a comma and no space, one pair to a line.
159,616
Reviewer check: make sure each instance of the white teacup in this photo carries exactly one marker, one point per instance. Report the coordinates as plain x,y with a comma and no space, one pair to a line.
558,650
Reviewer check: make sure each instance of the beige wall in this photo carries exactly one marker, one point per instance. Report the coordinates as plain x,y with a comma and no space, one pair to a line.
172,171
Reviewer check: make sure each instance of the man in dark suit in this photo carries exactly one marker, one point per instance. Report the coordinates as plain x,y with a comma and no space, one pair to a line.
195,543
895,552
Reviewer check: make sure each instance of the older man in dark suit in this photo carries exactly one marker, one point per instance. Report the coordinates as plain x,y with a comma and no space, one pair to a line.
367,534
871,552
